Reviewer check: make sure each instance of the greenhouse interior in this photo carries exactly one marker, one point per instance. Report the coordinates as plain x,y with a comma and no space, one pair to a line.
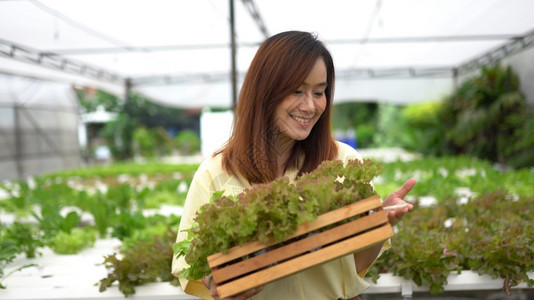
107,109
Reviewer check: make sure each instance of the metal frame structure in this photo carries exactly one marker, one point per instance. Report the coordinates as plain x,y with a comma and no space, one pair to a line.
57,61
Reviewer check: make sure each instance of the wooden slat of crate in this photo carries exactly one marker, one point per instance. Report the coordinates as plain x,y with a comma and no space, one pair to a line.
298,247
236,277
329,218
305,261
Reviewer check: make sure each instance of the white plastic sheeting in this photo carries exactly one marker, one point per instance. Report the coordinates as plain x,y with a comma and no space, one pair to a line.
177,51
38,127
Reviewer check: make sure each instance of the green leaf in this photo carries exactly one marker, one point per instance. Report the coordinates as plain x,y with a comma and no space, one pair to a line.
273,211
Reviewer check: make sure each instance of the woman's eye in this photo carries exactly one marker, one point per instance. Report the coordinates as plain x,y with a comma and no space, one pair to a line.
298,92
319,94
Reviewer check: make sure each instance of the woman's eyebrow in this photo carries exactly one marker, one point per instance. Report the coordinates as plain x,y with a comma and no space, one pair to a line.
322,84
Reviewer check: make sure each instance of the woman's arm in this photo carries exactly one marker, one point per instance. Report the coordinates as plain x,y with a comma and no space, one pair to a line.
365,258
198,195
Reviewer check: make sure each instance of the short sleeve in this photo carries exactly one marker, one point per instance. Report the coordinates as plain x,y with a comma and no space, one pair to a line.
346,152
198,195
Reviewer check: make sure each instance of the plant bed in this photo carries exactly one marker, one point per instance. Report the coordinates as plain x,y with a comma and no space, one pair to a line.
313,243
505,220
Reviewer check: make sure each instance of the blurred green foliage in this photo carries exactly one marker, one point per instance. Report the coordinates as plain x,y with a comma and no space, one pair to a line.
359,116
440,177
73,242
140,125
486,117
489,234
188,142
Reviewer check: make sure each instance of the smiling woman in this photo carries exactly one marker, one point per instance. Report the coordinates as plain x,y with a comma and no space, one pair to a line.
290,71
299,111
282,129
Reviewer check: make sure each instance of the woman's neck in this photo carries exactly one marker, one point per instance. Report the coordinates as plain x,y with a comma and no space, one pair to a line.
284,148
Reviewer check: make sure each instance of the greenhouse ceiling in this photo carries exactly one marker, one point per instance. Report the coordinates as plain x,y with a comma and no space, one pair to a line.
179,52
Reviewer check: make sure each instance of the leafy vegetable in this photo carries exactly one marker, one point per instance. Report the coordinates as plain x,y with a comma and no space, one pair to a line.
270,212
145,262
127,222
491,234
73,242
124,168
8,251
439,177
498,241
51,221
24,236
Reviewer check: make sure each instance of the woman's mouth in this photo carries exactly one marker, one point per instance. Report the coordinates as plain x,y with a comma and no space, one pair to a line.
302,120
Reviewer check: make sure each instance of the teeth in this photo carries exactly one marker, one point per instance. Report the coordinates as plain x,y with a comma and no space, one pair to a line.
301,119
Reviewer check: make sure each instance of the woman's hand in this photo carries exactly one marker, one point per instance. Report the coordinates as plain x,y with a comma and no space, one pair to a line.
212,286
397,198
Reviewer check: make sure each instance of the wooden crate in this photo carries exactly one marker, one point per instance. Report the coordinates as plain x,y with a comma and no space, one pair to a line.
239,270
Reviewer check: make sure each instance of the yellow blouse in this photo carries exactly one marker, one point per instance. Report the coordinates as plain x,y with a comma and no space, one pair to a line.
332,280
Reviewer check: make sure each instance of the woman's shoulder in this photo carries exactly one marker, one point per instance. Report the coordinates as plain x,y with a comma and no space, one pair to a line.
211,164
208,170
346,152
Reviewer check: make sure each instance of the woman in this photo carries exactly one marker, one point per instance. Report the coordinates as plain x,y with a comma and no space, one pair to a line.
282,128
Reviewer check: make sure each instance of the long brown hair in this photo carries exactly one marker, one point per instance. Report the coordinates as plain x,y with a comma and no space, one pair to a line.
279,67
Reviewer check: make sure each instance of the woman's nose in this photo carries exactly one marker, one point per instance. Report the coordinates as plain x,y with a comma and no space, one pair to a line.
306,103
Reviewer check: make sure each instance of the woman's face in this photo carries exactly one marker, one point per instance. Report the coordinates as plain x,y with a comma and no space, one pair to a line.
298,112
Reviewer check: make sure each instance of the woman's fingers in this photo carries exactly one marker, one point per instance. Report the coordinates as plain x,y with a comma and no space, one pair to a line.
397,198
207,281
247,294
212,286
406,188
